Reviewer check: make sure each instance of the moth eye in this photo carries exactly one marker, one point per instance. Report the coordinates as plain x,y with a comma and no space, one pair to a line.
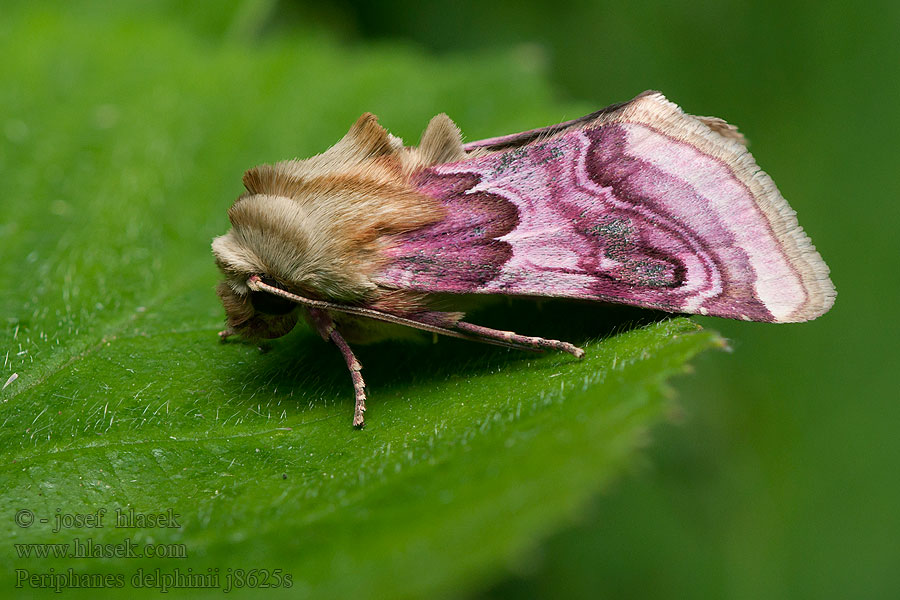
270,304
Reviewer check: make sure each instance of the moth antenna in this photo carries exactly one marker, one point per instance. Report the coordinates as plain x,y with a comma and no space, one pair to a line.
258,285
524,340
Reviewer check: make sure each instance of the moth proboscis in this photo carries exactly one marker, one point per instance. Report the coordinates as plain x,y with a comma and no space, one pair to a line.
638,203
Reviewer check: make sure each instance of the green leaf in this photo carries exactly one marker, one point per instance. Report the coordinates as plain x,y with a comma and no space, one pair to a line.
124,146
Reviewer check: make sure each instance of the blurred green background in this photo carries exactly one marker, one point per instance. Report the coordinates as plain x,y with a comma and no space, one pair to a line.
782,478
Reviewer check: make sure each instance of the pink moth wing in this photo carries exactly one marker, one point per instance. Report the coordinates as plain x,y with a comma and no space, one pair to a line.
638,204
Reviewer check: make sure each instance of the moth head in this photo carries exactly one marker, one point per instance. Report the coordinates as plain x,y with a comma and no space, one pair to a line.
251,313
257,314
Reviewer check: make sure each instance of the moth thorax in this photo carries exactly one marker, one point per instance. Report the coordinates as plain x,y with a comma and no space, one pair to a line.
299,244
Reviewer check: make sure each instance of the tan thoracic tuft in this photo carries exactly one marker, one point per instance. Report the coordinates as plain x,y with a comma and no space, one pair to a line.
441,142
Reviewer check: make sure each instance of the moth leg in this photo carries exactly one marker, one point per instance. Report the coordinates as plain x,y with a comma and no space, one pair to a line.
515,338
359,386
226,333
328,331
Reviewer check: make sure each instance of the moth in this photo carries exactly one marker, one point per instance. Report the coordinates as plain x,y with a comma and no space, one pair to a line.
638,203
